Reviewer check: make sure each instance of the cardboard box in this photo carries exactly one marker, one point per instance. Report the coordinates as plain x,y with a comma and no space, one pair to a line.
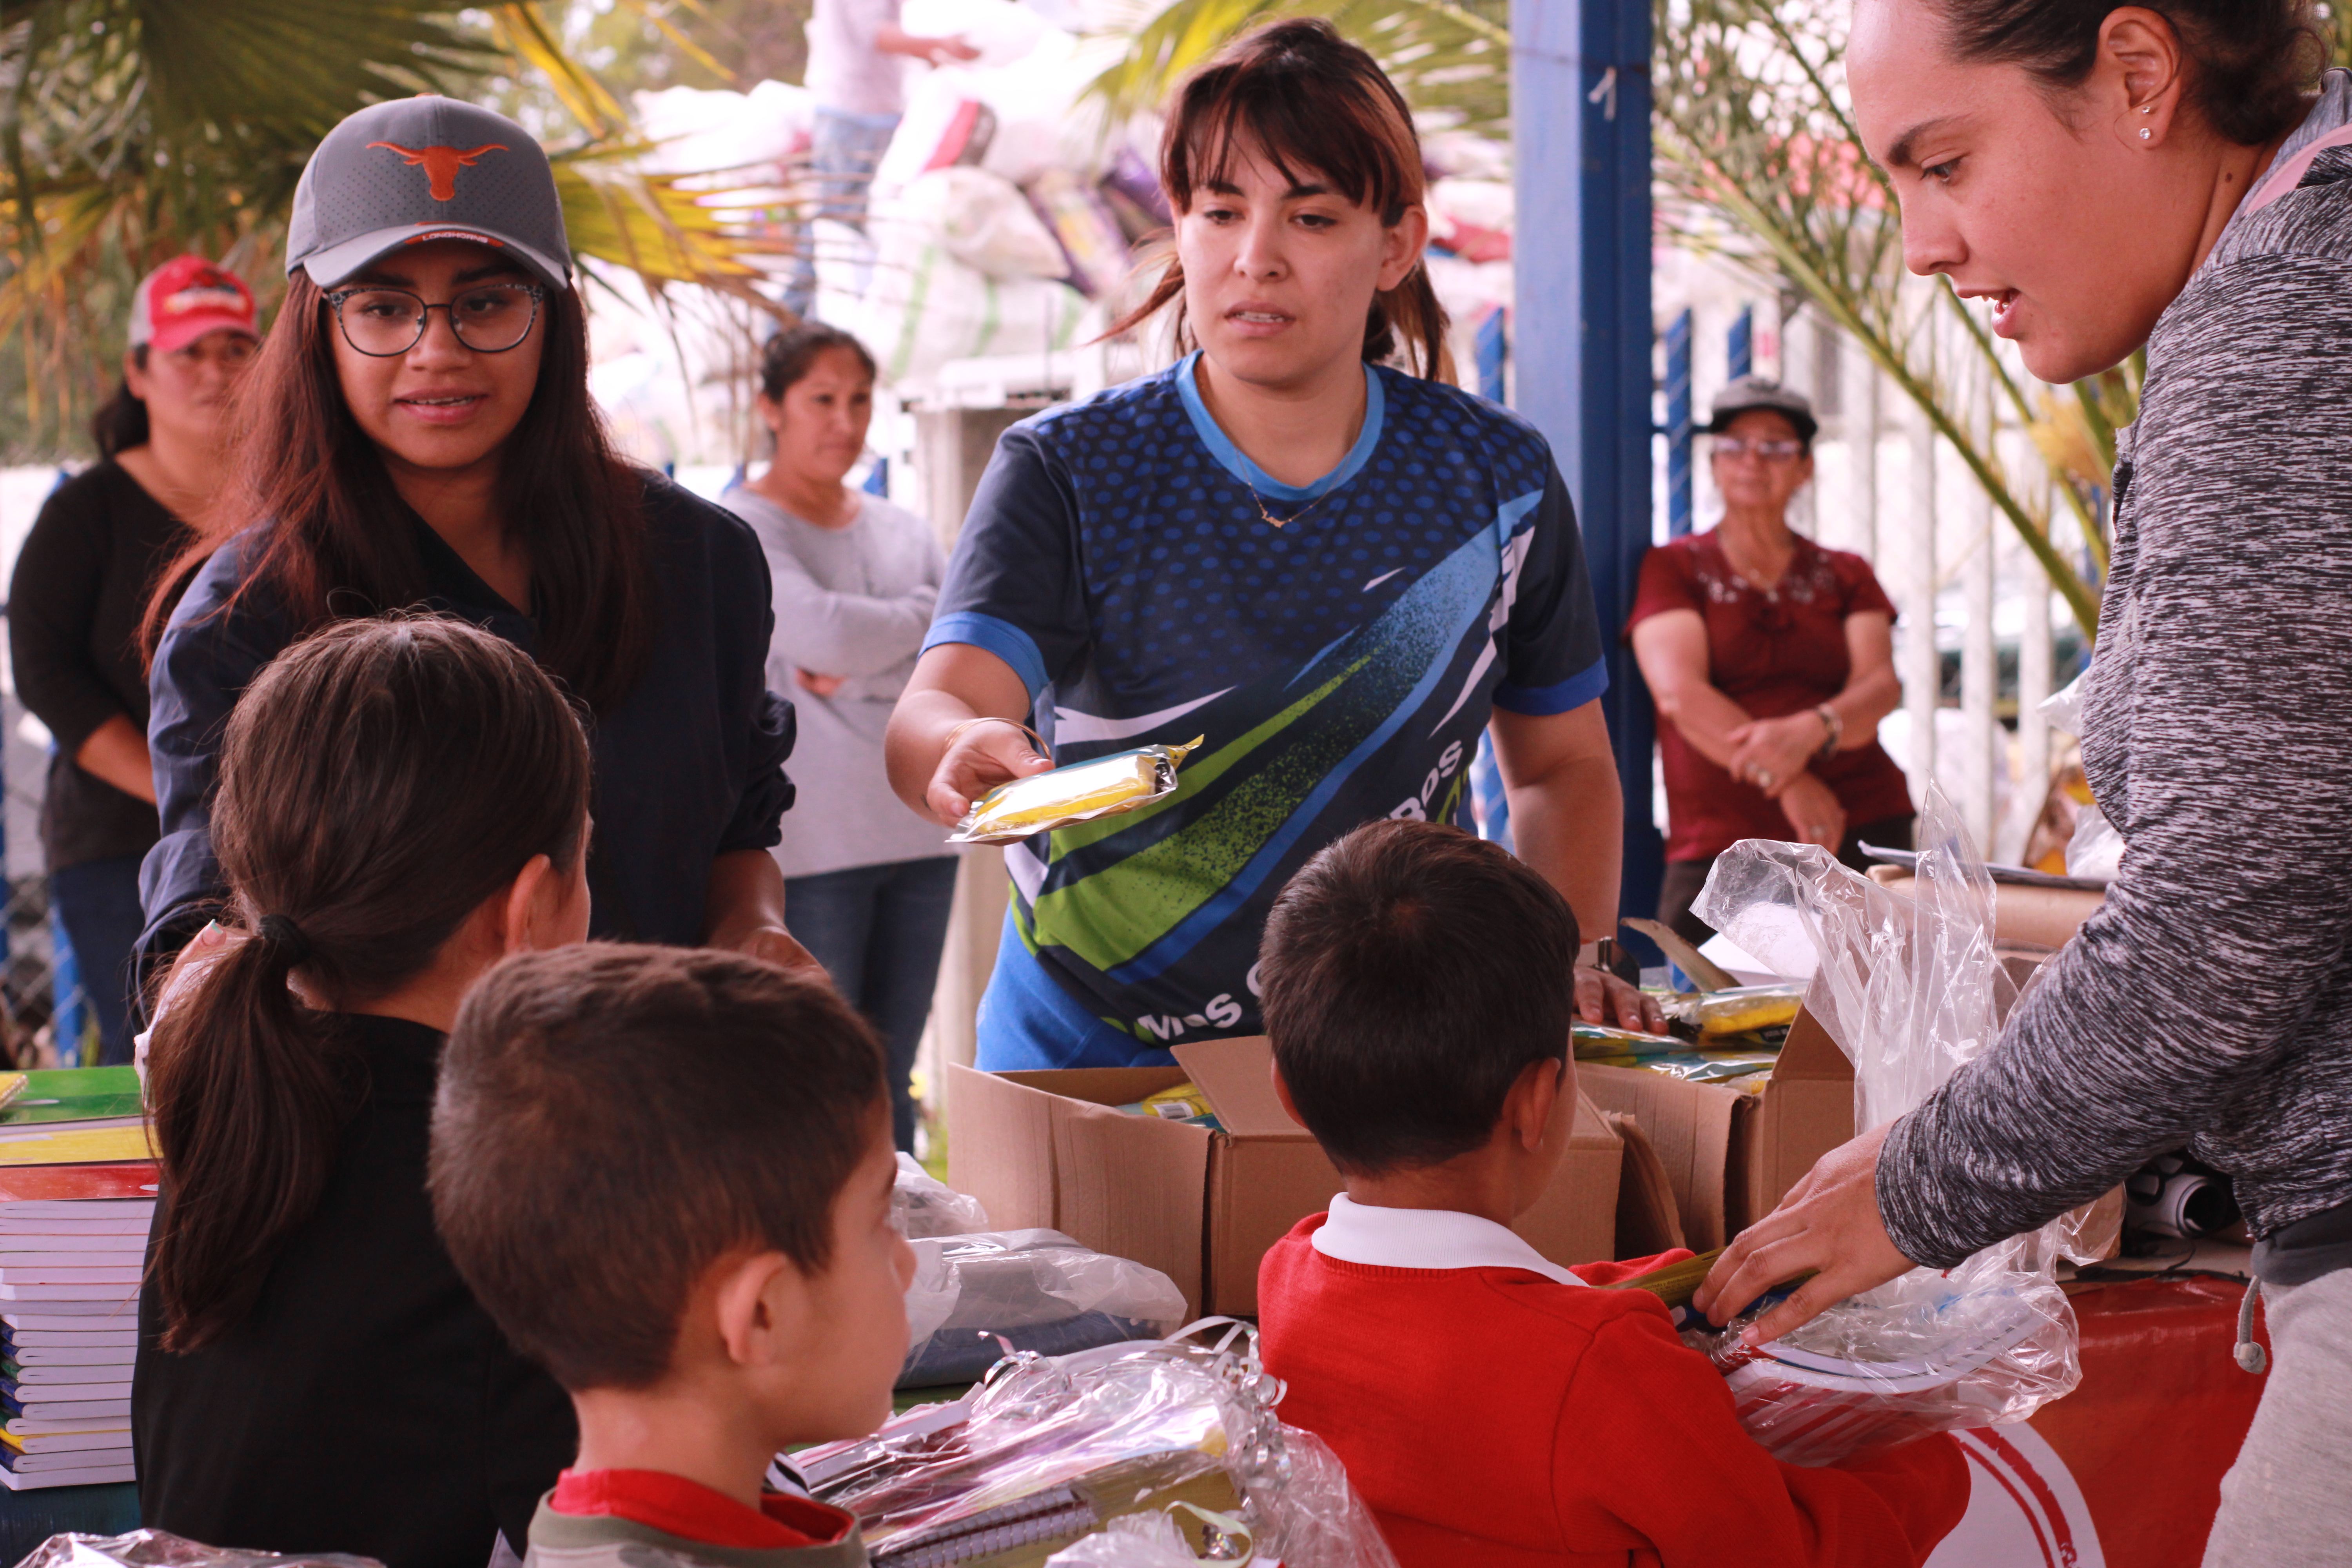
1729,1155
2023,917
1052,1148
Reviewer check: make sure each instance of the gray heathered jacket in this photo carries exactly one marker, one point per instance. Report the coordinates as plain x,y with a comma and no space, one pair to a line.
2210,1001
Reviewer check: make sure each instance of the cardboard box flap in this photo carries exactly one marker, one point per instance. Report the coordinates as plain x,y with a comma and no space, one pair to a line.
1591,1129
1133,1187
1006,1159
1810,1055
1691,1128
1648,1222
1234,1077
1095,1085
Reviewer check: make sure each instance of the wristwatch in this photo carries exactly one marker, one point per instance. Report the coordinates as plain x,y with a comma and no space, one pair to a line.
1836,726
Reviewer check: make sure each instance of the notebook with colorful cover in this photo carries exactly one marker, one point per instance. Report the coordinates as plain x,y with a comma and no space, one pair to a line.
110,1467
82,1358
68,1094
69,1442
71,1145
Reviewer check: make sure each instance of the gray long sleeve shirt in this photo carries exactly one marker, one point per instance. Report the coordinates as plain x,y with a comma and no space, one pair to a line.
2210,1001
852,602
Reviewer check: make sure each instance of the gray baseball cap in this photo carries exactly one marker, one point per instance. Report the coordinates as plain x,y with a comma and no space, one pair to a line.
419,169
1751,391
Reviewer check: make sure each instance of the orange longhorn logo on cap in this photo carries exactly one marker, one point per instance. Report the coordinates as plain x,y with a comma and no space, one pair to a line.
440,164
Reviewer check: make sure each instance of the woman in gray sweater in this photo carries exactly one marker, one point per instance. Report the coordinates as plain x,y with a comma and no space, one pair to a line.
869,882
2180,176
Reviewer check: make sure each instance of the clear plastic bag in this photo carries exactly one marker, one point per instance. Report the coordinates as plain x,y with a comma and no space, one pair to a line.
924,1205
1050,1449
975,1297
2095,852
2063,708
162,1548
1153,1541
1906,987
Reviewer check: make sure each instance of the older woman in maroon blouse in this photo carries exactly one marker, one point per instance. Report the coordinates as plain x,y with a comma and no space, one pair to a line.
1771,661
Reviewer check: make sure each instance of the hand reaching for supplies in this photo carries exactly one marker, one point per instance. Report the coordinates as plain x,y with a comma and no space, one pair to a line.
817,685
1829,1222
983,755
1771,753
1813,812
1603,998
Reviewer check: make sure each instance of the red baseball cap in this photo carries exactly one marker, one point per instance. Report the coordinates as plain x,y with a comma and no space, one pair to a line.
186,297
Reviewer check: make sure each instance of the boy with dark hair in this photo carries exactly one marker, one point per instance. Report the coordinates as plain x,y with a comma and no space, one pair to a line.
1493,1408
666,1173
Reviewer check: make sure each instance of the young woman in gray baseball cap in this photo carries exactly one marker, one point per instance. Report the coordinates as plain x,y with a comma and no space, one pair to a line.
417,432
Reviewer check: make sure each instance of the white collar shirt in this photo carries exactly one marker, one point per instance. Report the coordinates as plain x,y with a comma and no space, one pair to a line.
1427,1238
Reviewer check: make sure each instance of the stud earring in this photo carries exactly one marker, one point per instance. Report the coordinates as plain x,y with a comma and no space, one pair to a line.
2147,109
2143,133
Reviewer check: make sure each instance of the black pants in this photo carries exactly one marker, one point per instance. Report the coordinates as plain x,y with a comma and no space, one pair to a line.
1684,879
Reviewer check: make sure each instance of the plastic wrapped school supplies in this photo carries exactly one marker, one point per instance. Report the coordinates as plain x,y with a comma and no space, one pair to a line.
1601,1043
1154,1540
1050,1450
1748,1071
1183,1103
162,1548
1904,987
1079,792
925,1206
1747,1010
1864,1376
975,1297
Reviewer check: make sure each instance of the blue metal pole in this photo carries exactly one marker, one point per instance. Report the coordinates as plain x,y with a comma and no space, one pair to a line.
1740,350
1678,425
1583,330
1493,350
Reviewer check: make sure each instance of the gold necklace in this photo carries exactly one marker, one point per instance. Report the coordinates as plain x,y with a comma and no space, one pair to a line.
1274,521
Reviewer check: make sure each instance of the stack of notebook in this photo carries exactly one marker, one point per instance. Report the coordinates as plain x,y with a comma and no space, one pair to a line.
76,1198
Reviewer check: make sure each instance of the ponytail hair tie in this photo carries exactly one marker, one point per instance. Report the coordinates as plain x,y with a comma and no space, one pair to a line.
284,940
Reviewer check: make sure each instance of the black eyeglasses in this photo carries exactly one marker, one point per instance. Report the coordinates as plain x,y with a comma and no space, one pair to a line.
1738,447
386,322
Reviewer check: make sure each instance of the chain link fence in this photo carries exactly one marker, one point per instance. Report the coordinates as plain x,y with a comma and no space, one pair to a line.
44,1018
47,1021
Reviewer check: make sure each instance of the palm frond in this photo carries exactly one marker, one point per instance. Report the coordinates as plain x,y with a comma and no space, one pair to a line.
1447,59
131,129
1761,161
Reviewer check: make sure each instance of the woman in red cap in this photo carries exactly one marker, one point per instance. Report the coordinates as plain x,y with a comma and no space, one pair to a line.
82,581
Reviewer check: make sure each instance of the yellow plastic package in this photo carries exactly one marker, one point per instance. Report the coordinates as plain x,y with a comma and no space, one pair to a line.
1104,786
1183,1103
1741,1012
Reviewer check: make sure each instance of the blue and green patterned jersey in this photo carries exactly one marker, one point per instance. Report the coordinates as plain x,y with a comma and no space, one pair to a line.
1340,667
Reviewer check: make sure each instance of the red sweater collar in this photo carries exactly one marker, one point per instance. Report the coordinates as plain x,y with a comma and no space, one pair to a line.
693,1512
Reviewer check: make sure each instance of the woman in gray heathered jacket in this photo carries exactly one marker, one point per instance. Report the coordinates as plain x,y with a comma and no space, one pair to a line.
2176,174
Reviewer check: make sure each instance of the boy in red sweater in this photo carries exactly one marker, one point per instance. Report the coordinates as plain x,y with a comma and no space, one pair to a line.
1493,1408
667,1175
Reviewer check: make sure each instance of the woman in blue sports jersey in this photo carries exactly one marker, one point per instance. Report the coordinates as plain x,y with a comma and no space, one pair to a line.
1336,572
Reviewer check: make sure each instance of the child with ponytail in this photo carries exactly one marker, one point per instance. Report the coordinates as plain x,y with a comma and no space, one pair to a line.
1336,569
401,803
